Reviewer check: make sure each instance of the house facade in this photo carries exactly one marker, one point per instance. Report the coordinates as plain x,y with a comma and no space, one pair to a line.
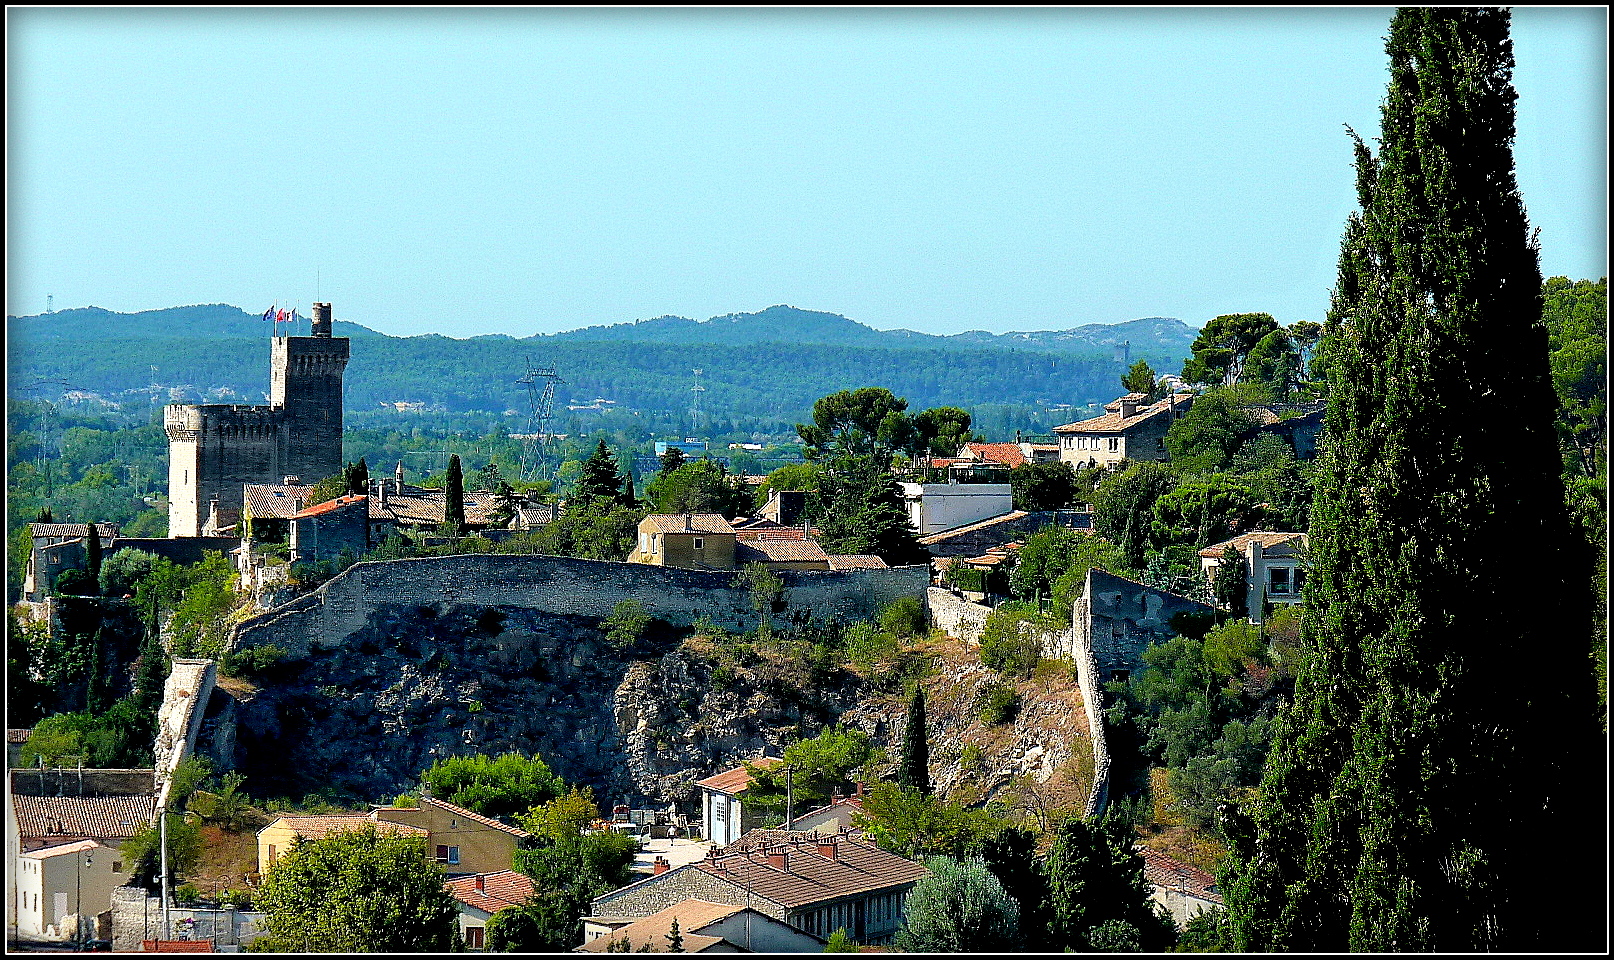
725,817
460,840
693,541
63,832
704,927
934,507
1274,567
279,836
815,883
481,895
1131,428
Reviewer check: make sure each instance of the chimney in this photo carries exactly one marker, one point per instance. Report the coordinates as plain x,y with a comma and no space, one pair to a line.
827,847
661,866
689,522
779,859
479,883
1129,408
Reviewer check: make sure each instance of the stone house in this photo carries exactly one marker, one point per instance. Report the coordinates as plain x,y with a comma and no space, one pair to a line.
704,927
692,541
64,829
1185,891
481,895
1274,567
724,816
57,547
459,839
1131,428
834,817
324,531
817,884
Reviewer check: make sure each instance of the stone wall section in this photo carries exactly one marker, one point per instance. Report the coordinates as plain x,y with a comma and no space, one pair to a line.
1081,653
137,917
323,619
185,696
955,616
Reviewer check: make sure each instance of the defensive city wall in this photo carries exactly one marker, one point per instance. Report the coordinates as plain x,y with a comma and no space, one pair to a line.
562,585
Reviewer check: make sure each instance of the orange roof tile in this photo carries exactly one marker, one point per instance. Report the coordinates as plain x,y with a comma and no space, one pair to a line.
330,506
779,551
856,561
685,523
1008,454
102,818
653,931
1164,871
1113,422
500,889
1240,543
735,781
807,875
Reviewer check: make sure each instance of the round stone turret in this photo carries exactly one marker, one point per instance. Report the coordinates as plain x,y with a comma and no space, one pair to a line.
321,325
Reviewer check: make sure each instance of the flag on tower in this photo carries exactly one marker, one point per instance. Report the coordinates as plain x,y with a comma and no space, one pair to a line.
269,314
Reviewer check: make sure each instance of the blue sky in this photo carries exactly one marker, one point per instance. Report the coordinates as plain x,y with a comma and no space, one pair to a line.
528,171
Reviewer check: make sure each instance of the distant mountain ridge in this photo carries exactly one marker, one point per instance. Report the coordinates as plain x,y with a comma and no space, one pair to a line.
776,324
772,363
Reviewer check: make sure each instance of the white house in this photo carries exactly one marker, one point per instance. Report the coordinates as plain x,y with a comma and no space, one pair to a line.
724,817
934,507
1275,567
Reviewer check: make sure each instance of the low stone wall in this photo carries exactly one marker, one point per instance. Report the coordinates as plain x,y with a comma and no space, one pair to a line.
563,585
957,617
1087,678
137,917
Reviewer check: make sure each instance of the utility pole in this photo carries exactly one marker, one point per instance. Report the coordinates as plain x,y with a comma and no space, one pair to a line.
162,841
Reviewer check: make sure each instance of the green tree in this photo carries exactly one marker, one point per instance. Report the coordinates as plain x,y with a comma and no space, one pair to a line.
515,930
499,787
1123,507
699,487
1274,363
1046,485
1381,825
626,624
914,825
601,479
1140,378
1097,892
851,422
1207,435
454,495
1203,509
940,431
863,513
817,766
358,891
765,588
794,476
356,477
92,554
1223,346
143,851
960,907
913,772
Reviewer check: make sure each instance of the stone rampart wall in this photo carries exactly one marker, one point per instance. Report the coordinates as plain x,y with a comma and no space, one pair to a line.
957,617
1087,678
563,585
185,695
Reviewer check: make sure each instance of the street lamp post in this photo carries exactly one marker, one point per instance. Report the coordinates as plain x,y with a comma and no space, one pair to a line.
78,900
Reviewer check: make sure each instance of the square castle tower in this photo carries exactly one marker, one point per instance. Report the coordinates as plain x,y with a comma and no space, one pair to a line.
214,448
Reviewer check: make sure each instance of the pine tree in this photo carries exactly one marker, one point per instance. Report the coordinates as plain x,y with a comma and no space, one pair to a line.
454,495
914,771
1428,782
601,480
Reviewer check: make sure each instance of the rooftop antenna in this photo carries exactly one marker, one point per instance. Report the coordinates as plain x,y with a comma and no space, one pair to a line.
540,408
49,299
695,409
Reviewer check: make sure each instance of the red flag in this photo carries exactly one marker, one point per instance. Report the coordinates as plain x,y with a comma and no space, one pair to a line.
280,316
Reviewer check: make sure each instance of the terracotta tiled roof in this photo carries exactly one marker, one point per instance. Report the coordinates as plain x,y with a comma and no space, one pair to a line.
685,523
692,915
1113,422
72,531
768,530
476,817
1008,454
807,876
856,561
61,849
331,506
1240,543
1163,871
101,818
314,828
425,507
273,501
779,551
503,888
735,781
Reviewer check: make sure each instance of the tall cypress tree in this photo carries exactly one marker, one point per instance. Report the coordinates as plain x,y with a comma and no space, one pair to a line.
913,772
92,557
454,495
1442,759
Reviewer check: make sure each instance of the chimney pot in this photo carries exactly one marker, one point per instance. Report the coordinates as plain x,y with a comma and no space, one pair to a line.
661,866
828,848
779,860
479,882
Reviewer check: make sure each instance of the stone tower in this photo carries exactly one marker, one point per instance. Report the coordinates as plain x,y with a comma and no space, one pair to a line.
215,448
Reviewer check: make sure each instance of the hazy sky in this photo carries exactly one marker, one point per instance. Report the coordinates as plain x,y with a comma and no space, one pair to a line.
524,171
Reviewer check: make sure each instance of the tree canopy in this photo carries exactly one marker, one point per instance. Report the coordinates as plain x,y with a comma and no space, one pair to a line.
1383,822
358,891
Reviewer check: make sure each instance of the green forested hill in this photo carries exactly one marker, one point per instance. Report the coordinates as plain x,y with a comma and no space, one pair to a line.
774,362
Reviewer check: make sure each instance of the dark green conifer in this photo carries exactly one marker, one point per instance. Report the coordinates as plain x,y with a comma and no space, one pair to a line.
1442,761
92,555
914,771
454,495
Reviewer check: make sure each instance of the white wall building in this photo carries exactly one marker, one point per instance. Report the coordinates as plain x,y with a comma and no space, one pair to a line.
934,507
